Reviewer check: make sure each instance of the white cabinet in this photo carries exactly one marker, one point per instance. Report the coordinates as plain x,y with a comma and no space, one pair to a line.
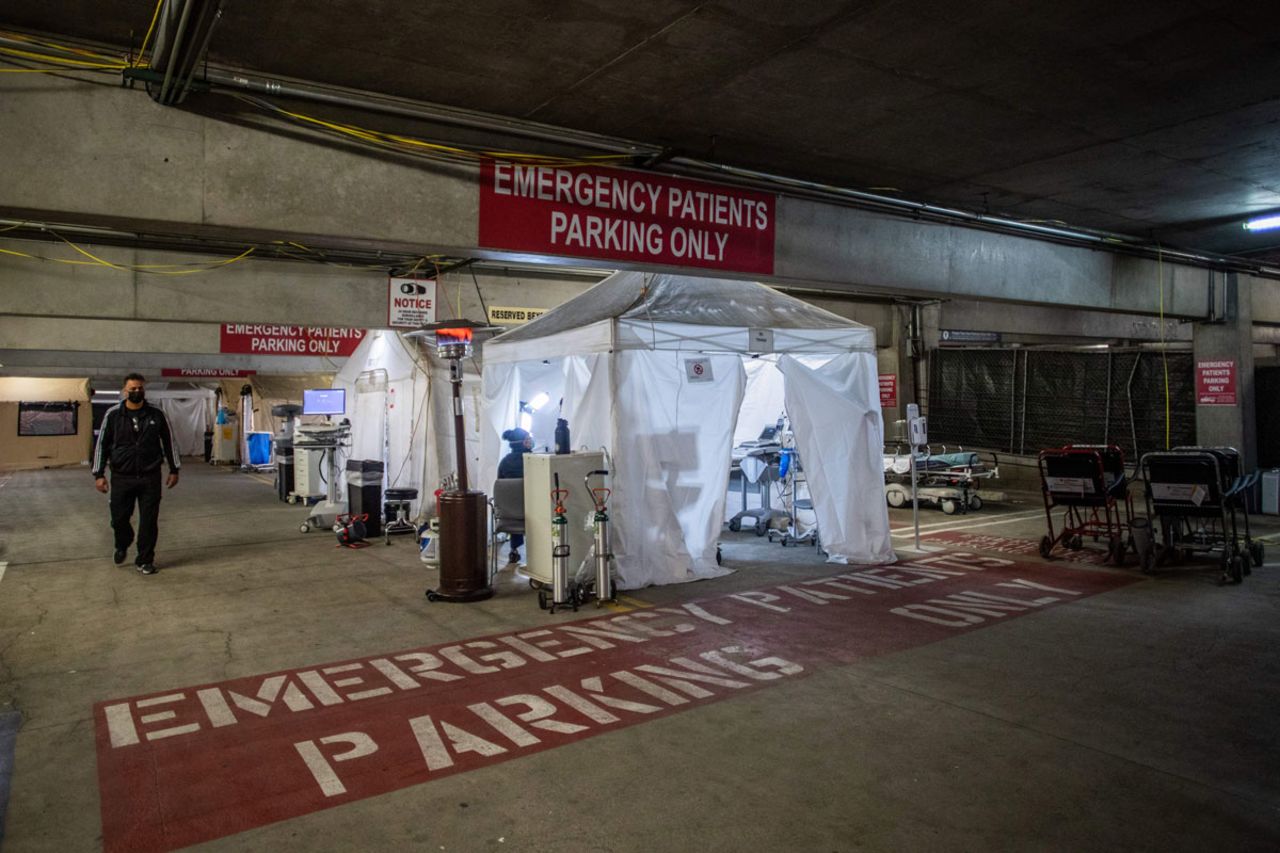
540,470
307,480
226,450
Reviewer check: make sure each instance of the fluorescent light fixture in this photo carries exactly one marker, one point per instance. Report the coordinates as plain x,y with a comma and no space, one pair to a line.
1263,223
539,401
526,422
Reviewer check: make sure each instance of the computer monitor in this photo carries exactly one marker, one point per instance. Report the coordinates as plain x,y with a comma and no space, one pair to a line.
769,433
324,401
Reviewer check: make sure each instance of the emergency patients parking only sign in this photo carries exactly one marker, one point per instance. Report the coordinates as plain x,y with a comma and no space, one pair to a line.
620,215
411,302
1215,383
252,339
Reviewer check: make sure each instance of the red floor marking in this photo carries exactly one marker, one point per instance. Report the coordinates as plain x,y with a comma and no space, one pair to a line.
1016,547
198,763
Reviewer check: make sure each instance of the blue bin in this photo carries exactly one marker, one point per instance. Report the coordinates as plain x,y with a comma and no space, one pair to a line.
259,448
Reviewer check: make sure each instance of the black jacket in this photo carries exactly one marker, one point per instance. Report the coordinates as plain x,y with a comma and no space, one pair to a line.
133,453
511,467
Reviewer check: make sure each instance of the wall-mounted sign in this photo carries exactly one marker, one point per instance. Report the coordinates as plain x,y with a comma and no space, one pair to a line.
968,336
411,302
507,316
248,339
698,370
619,215
888,390
1215,383
204,373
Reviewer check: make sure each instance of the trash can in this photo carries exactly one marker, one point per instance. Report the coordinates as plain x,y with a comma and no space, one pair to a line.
364,493
1271,492
284,466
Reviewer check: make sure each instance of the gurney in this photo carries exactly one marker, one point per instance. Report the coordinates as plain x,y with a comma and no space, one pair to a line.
948,479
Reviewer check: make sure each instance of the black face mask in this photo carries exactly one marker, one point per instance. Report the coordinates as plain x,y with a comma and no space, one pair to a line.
137,395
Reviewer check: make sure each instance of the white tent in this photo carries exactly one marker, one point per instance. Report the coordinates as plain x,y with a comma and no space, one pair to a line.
398,402
651,368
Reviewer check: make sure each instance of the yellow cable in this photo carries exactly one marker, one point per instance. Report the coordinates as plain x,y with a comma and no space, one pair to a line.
57,60
149,269
65,48
392,140
147,38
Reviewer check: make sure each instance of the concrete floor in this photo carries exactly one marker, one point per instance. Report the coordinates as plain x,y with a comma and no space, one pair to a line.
1144,717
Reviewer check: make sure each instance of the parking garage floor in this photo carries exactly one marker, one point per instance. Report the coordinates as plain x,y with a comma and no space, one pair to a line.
270,690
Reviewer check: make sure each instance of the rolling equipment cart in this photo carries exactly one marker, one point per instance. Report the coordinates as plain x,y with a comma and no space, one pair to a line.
1088,483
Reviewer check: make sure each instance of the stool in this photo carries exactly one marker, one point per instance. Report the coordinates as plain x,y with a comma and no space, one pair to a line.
398,501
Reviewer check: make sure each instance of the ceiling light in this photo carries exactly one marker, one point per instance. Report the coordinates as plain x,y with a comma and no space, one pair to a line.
1263,223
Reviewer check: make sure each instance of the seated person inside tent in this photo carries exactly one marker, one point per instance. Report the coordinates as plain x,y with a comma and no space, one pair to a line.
512,467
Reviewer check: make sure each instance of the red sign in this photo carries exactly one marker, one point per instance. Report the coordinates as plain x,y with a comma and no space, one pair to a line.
619,215
204,373
188,765
1215,383
289,340
888,390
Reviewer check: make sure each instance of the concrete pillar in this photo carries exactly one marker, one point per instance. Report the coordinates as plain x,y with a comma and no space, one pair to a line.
1230,338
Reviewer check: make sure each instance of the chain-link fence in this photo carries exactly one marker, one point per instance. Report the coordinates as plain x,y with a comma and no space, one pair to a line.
1023,401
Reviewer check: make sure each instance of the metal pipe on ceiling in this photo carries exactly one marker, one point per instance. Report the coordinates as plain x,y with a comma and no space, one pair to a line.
472,119
163,39
459,117
455,116
214,16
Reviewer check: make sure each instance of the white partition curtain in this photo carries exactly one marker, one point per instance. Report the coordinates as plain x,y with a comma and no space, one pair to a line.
188,419
834,409
671,463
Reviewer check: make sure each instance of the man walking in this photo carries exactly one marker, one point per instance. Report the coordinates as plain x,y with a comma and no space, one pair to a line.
135,440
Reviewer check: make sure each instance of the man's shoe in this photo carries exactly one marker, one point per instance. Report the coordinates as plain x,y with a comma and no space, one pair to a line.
513,557
147,569
118,556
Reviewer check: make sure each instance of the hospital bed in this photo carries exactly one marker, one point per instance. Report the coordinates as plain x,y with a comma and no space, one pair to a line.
948,479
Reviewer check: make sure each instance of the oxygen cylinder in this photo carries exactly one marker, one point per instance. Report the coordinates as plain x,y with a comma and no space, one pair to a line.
604,581
600,546
560,592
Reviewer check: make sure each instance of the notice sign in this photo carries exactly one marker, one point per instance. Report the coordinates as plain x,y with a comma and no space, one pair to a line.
289,340
888,390
204,373
411,302
614,214
506,316
1215,383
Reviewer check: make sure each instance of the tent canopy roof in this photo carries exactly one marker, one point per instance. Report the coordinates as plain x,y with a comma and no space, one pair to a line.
685,300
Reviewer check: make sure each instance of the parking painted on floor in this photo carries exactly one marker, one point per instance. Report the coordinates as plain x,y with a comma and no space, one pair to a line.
190,764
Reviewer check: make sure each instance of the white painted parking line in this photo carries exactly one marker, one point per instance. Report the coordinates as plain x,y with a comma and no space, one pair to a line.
964,525
3,566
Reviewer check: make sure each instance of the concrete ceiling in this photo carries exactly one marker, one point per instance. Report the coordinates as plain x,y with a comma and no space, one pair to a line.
1159,120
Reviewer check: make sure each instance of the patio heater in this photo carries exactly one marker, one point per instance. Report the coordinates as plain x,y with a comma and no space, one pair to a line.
464,564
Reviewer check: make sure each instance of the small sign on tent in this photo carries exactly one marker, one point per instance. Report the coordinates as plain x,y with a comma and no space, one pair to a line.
761,340
698,369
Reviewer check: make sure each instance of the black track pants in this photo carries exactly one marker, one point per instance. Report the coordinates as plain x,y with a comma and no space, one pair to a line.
145,490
